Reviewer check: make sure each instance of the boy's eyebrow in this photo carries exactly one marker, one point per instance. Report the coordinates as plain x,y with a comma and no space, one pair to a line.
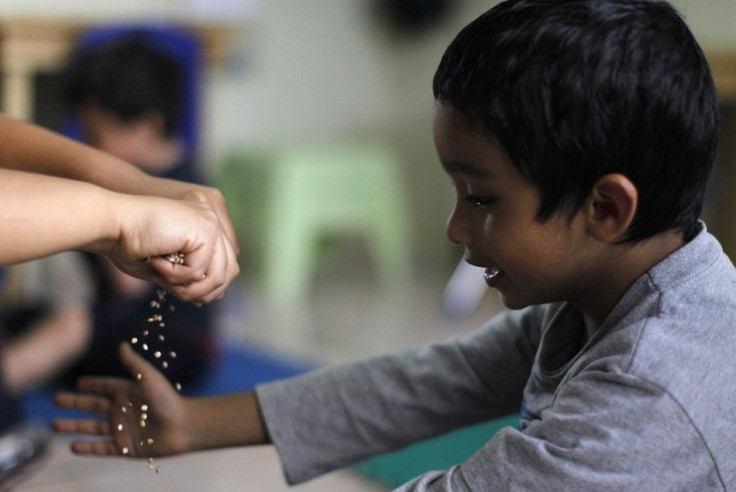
466,169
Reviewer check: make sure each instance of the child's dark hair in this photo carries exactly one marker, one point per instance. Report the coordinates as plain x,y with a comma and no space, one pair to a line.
129,78
577,89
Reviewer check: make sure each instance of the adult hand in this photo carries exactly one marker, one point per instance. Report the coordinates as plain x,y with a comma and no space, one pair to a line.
152,228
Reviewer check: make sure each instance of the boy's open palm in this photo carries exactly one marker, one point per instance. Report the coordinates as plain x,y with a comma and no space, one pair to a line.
120,404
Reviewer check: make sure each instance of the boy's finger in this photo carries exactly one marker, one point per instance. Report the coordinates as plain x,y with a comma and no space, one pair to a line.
86,403
134,362
90,427
95,447
101,385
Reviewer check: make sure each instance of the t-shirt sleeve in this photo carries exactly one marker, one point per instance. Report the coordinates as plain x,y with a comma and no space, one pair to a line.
337,416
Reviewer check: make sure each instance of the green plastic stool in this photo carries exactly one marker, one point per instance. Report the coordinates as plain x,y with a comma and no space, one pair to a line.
285,203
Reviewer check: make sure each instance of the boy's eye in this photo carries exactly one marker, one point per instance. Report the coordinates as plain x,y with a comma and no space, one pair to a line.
478,201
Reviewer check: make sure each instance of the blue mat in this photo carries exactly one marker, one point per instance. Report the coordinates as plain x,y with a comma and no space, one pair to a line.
237,369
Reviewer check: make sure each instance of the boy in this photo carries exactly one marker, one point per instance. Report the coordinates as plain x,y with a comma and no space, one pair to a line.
579,136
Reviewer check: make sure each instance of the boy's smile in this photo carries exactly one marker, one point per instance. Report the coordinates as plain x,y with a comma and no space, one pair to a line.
495,218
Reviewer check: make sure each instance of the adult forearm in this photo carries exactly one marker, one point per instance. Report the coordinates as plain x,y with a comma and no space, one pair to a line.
26,147
61,215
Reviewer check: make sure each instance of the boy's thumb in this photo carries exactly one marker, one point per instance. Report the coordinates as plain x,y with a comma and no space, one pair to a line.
132,360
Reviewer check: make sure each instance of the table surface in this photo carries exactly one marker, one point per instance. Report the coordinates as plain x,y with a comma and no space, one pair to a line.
237,469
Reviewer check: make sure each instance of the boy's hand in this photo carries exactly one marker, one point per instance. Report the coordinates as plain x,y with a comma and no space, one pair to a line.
151,228
119,403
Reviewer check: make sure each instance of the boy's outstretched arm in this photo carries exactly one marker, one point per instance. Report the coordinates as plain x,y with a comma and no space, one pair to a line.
174,424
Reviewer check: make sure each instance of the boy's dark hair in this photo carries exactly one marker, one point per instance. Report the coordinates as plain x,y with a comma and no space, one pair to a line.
576,89
129,78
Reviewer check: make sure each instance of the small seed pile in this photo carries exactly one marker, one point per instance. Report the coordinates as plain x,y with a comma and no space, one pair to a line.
152,339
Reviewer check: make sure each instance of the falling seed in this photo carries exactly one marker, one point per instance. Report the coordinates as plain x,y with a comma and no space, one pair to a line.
150,440
139,376
161,338
142,423
120,427
145,346
145,333
161,325
165,364
157,354
172,354
134,340
144,408
125,450
178,387
130,403
171,307
123,409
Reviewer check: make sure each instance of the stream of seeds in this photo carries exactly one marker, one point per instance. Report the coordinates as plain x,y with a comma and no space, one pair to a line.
152,340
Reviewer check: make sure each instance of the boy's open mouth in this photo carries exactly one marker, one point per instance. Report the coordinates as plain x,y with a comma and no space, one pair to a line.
492,275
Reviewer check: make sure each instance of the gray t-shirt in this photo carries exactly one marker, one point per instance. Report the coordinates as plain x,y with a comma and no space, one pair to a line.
647,403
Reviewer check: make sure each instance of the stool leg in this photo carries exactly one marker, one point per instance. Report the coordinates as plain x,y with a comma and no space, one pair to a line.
290,246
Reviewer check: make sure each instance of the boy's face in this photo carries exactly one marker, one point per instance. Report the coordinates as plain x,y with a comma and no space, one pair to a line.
495,218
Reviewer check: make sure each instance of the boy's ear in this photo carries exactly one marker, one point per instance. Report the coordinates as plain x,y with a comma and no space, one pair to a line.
611,207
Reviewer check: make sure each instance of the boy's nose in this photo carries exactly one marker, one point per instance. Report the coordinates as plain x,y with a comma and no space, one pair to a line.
455,229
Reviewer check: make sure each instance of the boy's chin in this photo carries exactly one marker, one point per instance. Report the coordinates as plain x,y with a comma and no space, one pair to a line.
512,301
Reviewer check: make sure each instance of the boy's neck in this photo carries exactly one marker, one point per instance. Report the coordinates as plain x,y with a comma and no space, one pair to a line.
625,263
